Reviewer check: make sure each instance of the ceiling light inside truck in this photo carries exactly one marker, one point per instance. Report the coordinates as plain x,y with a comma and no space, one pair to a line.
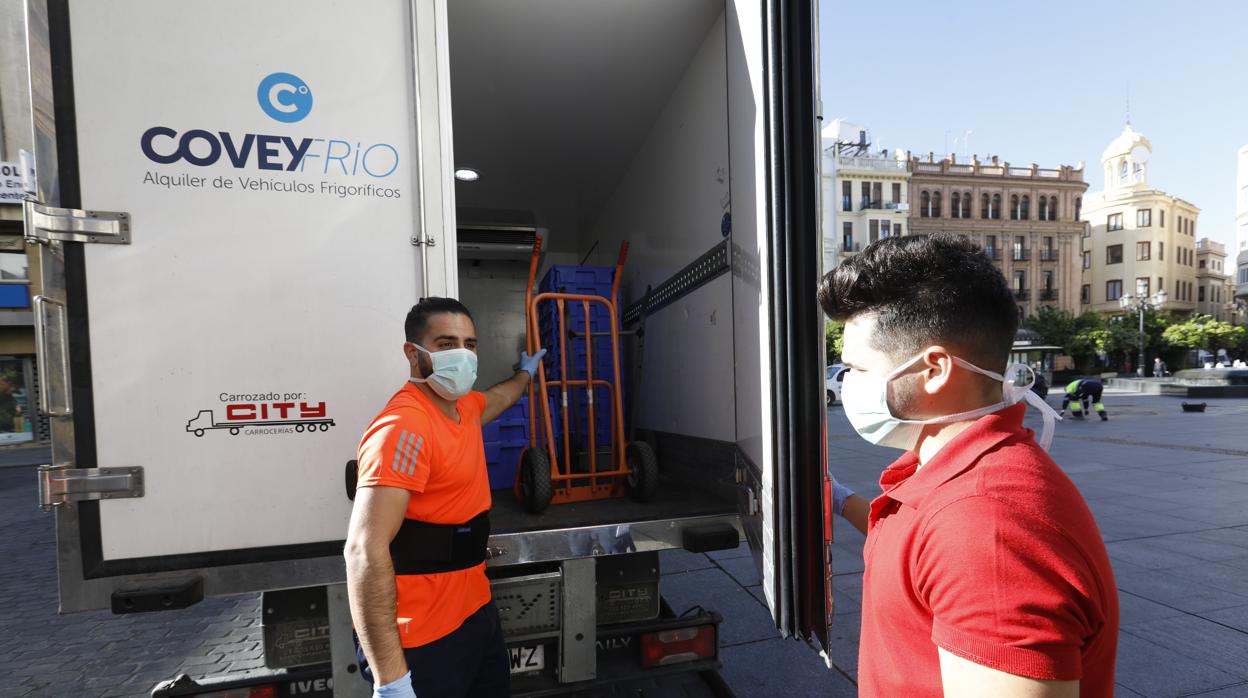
467,174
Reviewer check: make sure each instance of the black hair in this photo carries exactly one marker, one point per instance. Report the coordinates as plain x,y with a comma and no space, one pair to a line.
418,317
924,290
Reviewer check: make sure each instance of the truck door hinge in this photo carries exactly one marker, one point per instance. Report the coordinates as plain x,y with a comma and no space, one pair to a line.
59,484
47,223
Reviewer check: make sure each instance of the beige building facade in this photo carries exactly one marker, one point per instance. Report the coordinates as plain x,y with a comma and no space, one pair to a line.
1139,240
1240,257
1214,290
1027,219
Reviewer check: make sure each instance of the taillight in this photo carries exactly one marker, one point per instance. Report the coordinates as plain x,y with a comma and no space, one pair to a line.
680,645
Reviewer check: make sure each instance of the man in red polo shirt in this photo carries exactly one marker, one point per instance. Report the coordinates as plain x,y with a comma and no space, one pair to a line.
985,571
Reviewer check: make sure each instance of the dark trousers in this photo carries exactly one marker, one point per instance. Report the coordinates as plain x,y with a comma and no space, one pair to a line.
469,663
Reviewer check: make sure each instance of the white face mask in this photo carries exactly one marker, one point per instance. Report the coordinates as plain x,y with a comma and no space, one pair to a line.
454,372
865,397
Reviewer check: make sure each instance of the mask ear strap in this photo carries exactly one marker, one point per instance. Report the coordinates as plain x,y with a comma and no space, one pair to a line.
1051,417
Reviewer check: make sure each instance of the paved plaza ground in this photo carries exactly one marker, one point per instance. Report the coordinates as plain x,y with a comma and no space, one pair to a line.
1169,490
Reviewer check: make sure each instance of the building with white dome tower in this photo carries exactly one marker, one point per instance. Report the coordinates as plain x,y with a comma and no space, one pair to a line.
865,194
1138,240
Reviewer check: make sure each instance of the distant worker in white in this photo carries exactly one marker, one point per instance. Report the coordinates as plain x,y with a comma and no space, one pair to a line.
425,622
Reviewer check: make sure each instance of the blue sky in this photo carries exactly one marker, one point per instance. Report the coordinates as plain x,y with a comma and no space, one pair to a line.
1047,83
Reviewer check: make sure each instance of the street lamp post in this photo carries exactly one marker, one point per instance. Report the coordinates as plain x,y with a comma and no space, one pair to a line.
1140,304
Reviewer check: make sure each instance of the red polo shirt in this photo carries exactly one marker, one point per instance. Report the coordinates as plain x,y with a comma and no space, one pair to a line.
990,552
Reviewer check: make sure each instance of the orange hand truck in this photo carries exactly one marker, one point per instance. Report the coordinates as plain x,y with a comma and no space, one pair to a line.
546,474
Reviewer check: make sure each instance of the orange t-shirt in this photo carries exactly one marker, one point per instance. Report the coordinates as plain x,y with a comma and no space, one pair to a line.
414,446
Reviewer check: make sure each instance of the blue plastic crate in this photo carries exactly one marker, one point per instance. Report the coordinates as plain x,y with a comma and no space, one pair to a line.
571,276
506,459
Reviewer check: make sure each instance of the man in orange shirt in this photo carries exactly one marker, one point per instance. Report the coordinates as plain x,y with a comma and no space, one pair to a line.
415,552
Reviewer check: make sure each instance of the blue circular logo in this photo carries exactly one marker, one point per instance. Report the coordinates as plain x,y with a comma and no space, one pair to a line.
285,97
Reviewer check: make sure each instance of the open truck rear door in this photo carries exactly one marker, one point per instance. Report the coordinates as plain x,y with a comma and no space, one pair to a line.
270,215
781,418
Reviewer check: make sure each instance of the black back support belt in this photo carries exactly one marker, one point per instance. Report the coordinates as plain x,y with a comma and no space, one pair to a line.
427,548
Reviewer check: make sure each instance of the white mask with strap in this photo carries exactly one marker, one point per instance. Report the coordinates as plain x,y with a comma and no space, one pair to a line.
865,397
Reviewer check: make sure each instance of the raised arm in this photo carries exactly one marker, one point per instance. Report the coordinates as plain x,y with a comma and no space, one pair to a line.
505,394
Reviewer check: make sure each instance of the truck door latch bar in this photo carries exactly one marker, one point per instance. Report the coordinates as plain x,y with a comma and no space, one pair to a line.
59,484
47,223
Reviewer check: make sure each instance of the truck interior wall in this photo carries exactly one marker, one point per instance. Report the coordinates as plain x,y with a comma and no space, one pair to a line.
670,206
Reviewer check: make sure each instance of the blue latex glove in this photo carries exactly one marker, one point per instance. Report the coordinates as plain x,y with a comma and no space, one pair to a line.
840,493
529,363
399,688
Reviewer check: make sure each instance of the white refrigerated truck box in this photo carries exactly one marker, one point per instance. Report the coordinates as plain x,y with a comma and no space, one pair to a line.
236,203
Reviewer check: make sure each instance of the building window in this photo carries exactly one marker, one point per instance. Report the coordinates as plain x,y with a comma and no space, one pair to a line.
1020,248
1161,251
873,230
967,204
936,204
886,228
1020,282
1143,251
1014,210
1161,218
1191,228
996,207
1052,208
1085,294
1044,208
1201,265
1047,253
1047,293
1161,282
1200,293
877,195
955,205
1122,173
847,236
1141,287
1025,208
896,192
1113,289
847,196
1115,222
1087,260
865,188
990,247
1113,254
985,207
1143,218
1078,207
925,205
14,282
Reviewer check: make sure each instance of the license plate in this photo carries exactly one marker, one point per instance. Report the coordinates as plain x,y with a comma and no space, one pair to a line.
527,658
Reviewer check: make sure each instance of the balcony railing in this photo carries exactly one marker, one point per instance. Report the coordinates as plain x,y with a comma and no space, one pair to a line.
1048,255
897,206
1048,294
1021,255
868,203
873,164
1022,294
993,253
852,248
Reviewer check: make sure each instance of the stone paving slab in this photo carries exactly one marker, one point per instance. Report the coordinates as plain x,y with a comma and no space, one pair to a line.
1171,499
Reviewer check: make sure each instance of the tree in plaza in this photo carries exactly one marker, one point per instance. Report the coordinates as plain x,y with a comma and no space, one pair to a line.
1116,338
1056,325
1204,332
833,339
